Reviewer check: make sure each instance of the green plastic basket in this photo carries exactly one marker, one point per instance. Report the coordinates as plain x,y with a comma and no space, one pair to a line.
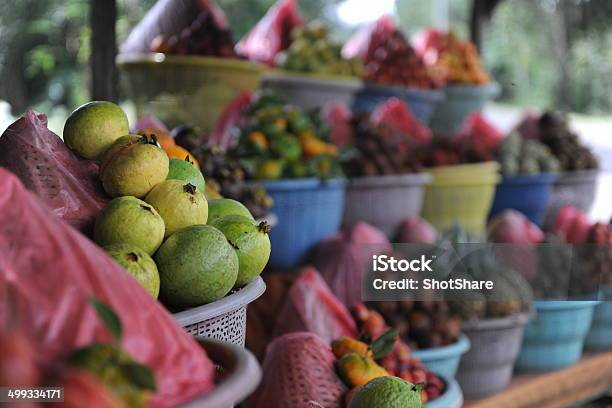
188,90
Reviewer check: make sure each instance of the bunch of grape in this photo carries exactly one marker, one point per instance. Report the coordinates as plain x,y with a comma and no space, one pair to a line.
203,37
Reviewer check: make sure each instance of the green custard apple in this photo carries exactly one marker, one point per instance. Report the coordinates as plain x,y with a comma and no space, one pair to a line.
196,266
138,264
185,171
92,128
128,220
221,207
180,204
388,392
250,241
133,166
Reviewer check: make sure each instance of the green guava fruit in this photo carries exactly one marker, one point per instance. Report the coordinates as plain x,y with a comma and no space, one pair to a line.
92,128
222,207
138,264
388,392
196,266
185,171
180,204
133,166
128,220
250,241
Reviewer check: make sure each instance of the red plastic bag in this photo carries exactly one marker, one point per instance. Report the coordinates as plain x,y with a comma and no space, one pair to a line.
415,230
47,273
299,372
396,116
338,117
367,39
271,35
572,225
168,17
343,258
67,184
310,306
482,136
224,133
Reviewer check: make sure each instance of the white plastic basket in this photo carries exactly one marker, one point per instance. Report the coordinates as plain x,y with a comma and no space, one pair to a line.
239,375
224,319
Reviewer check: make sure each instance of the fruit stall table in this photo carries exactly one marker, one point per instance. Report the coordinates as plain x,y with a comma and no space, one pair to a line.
589,379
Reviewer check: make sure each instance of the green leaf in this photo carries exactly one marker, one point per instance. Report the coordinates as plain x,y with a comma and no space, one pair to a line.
108,317
140,375
384,344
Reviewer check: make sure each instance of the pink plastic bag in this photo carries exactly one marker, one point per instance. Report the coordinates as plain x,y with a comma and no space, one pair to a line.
224,132
415,230
299,372
310,306
168,17
481,135
67,184
338,118
396,116
343,258
47,272
366,40
271,35
571,225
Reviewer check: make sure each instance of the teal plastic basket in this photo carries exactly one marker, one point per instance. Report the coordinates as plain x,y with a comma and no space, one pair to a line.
444,360
458,102
308,210
554,337
599,337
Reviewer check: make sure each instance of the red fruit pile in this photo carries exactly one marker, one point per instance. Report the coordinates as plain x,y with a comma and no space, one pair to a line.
203,37
399,362
392,61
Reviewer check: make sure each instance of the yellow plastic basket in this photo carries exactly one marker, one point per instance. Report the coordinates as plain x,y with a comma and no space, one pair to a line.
188,90
461,194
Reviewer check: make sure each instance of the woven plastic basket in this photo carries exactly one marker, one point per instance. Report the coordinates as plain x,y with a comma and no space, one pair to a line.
310,91
238,375
420,101
185,89
384,201
224,319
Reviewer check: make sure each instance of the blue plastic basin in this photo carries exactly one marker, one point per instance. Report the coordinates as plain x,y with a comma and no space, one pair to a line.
420,101
554,337
308,210
529,194
444,360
